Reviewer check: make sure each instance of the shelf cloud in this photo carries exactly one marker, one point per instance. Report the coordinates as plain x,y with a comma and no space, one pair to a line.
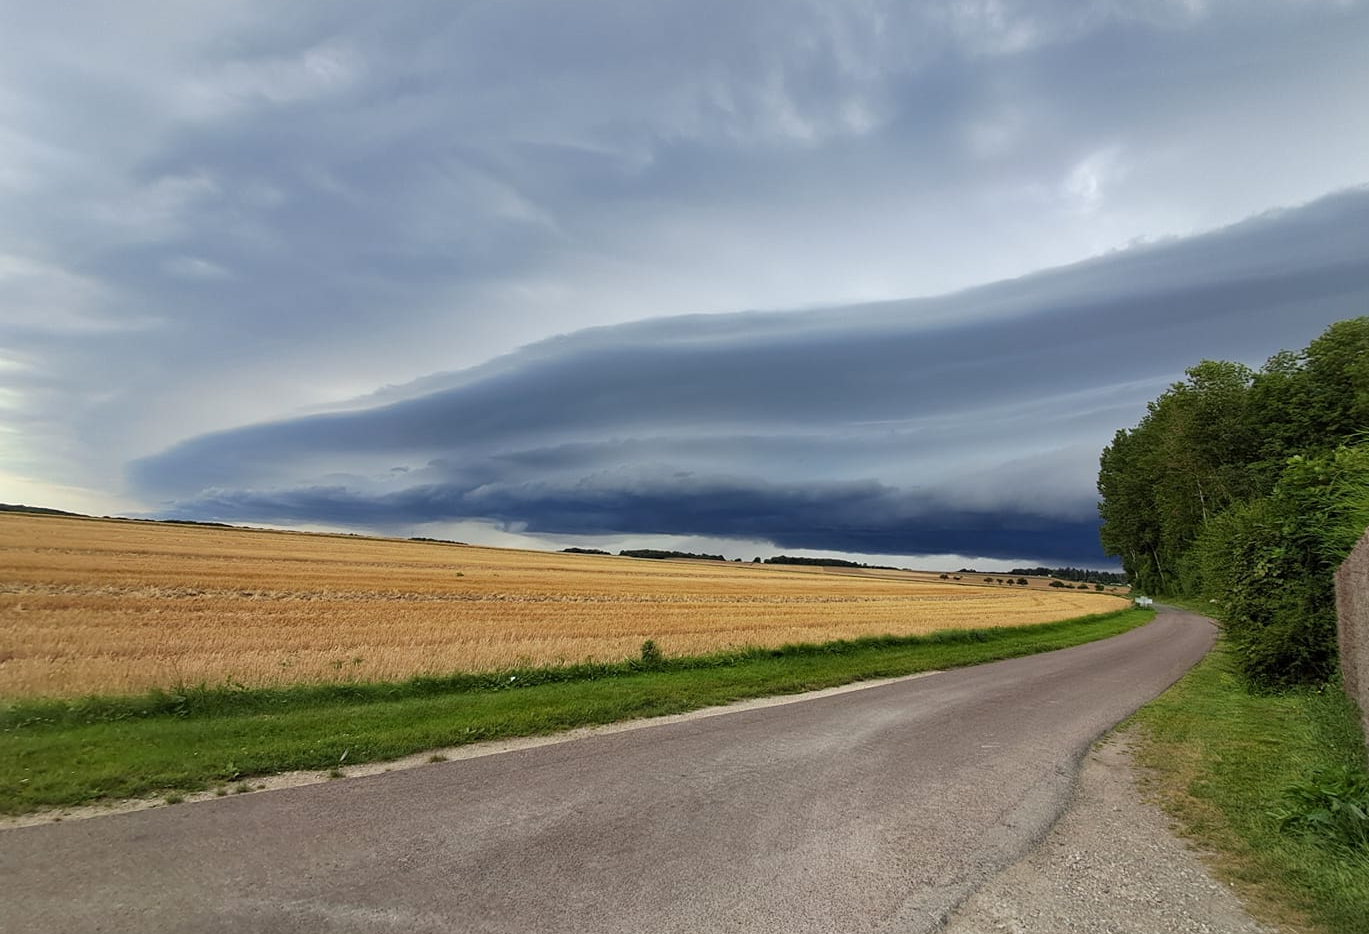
874,429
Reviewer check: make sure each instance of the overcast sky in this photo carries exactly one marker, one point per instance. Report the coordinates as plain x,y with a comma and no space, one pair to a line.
853,278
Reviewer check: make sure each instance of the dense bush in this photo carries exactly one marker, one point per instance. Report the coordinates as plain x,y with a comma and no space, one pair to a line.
1279,613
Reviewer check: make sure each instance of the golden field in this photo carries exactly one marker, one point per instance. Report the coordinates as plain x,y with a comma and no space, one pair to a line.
112,606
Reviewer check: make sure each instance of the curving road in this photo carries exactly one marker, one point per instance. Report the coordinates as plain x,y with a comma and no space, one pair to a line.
874,810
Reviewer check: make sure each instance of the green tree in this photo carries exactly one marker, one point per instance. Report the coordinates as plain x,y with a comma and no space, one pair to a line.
1127,479
1313,399
1247,488
1185,462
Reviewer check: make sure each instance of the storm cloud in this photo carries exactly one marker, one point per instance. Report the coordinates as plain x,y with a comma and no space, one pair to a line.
875,429
552,269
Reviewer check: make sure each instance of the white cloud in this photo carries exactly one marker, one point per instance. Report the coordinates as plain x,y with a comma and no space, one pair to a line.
193,267
47,298
993,27
307,75
1086,186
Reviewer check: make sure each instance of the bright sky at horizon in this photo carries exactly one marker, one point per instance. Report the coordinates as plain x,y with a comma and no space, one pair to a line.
847,278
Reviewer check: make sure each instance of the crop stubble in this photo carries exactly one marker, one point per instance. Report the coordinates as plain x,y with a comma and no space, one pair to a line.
98,606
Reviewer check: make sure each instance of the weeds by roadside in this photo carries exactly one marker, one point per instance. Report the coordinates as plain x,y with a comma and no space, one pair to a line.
1272,786
1330,807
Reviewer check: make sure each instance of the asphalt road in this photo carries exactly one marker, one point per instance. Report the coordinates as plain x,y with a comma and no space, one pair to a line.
875,810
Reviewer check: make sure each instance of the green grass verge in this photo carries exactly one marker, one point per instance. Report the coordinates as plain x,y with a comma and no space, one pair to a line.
63,753
1220,760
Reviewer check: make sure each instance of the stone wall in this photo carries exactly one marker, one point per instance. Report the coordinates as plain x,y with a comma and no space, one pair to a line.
1352,607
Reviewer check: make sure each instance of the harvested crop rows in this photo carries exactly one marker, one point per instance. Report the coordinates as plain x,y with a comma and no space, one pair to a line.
108,606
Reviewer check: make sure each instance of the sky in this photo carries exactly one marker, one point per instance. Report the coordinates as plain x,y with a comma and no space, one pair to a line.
859,279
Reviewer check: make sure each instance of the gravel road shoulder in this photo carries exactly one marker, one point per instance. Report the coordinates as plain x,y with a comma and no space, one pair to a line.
1111,865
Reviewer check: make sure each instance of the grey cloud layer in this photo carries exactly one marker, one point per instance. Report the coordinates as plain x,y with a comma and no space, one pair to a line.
212,216
874,429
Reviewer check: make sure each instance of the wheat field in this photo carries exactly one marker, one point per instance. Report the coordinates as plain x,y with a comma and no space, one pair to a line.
116,606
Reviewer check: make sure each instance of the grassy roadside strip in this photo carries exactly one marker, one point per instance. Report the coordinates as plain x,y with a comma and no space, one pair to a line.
1219,760
57,754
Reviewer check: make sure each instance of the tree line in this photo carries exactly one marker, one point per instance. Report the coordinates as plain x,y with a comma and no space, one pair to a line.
1078,575
661,554
823,563
1247,488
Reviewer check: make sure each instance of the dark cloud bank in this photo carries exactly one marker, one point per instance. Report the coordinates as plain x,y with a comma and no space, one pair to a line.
968,424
